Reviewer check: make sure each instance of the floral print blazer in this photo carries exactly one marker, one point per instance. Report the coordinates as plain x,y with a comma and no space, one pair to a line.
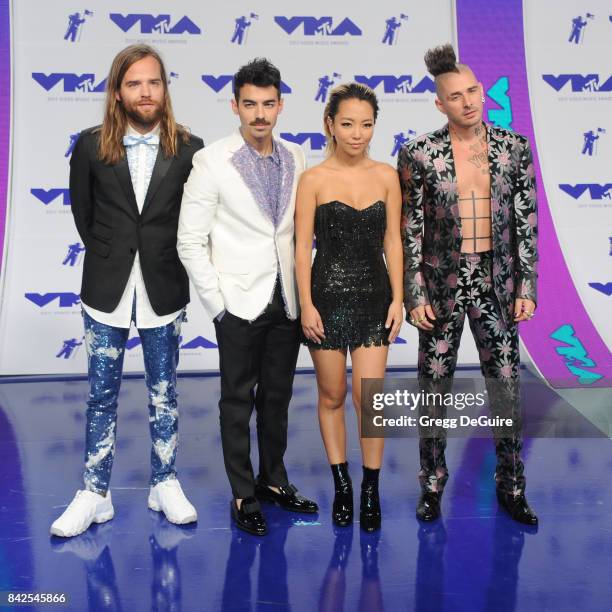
431,225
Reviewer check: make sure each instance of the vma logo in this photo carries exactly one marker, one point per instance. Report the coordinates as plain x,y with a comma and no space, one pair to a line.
196,343
315,140
596,192
83,83
605,288
154,24
65,300
46,196
578,82
318,26
502,116
397,84
576,357
219,83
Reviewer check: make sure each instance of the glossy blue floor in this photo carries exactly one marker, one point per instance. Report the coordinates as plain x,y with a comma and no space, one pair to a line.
475,558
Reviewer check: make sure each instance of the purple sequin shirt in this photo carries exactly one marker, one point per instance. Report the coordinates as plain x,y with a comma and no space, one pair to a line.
269,176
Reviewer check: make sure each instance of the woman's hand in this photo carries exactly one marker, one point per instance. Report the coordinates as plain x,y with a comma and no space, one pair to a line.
395,318
312,325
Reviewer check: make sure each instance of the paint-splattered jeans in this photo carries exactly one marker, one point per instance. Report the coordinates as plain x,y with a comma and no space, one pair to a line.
105,352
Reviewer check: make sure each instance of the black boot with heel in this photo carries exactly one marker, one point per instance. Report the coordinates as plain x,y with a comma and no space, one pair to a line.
342,512
369,515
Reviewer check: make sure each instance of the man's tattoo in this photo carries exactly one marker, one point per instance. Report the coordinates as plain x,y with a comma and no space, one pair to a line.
480,157
473,217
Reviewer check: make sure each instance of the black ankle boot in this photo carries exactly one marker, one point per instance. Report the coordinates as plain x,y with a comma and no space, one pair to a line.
369,515
342,512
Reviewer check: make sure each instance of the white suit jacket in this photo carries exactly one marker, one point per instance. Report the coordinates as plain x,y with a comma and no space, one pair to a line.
226,237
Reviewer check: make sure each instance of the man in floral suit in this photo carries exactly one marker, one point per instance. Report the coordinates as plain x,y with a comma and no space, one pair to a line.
469,231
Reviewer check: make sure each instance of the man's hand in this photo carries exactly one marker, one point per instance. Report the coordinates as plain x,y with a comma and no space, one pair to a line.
523,309
421,317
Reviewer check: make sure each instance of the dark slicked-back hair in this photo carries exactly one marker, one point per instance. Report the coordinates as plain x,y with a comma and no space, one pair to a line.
259,72
346,91
441,60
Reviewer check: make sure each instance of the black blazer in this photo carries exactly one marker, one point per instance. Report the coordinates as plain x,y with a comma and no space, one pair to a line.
107,219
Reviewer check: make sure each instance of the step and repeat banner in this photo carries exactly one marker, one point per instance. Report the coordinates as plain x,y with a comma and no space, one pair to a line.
57,57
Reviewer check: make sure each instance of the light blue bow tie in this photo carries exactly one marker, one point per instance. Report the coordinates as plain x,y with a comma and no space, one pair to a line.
130,140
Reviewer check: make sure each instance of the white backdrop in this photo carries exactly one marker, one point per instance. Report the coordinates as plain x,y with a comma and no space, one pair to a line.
569,113
58,90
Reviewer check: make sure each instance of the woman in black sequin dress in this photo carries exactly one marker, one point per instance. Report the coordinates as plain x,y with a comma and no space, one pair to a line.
351,300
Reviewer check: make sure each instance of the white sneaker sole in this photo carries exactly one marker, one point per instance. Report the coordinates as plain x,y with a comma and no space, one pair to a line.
154,505
98,518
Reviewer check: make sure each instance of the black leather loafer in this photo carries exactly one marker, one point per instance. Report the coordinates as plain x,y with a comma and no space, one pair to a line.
287,498
249,517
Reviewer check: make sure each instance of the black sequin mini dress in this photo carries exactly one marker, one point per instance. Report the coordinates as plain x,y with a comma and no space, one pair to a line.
350,282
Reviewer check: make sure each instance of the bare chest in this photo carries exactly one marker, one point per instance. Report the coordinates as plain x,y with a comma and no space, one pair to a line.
472,168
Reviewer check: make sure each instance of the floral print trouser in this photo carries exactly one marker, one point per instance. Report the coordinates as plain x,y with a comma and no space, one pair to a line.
498,350
105,352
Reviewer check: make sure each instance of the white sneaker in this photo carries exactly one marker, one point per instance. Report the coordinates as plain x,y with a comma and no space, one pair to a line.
168,497
86,508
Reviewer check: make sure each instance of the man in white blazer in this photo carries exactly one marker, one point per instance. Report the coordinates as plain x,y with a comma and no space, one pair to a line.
235,239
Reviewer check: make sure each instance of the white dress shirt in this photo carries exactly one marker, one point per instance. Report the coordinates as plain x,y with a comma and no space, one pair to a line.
141,160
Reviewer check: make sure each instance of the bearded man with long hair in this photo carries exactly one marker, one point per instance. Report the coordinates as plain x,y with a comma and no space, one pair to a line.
126,185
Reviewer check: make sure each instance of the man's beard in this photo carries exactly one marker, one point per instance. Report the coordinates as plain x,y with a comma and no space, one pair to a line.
140,118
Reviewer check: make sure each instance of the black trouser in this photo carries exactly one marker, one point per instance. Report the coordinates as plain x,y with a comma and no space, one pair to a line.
257,363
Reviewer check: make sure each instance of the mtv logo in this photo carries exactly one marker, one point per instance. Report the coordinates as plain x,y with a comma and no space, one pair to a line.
318,26
84,83
46,196
66,300
154,24
578,82
396,84
596,192
315,140
219,83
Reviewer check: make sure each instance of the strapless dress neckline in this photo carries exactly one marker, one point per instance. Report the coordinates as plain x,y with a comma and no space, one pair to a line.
352,207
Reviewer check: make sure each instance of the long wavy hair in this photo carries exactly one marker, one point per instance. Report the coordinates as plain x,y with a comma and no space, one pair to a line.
346,91
113,128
